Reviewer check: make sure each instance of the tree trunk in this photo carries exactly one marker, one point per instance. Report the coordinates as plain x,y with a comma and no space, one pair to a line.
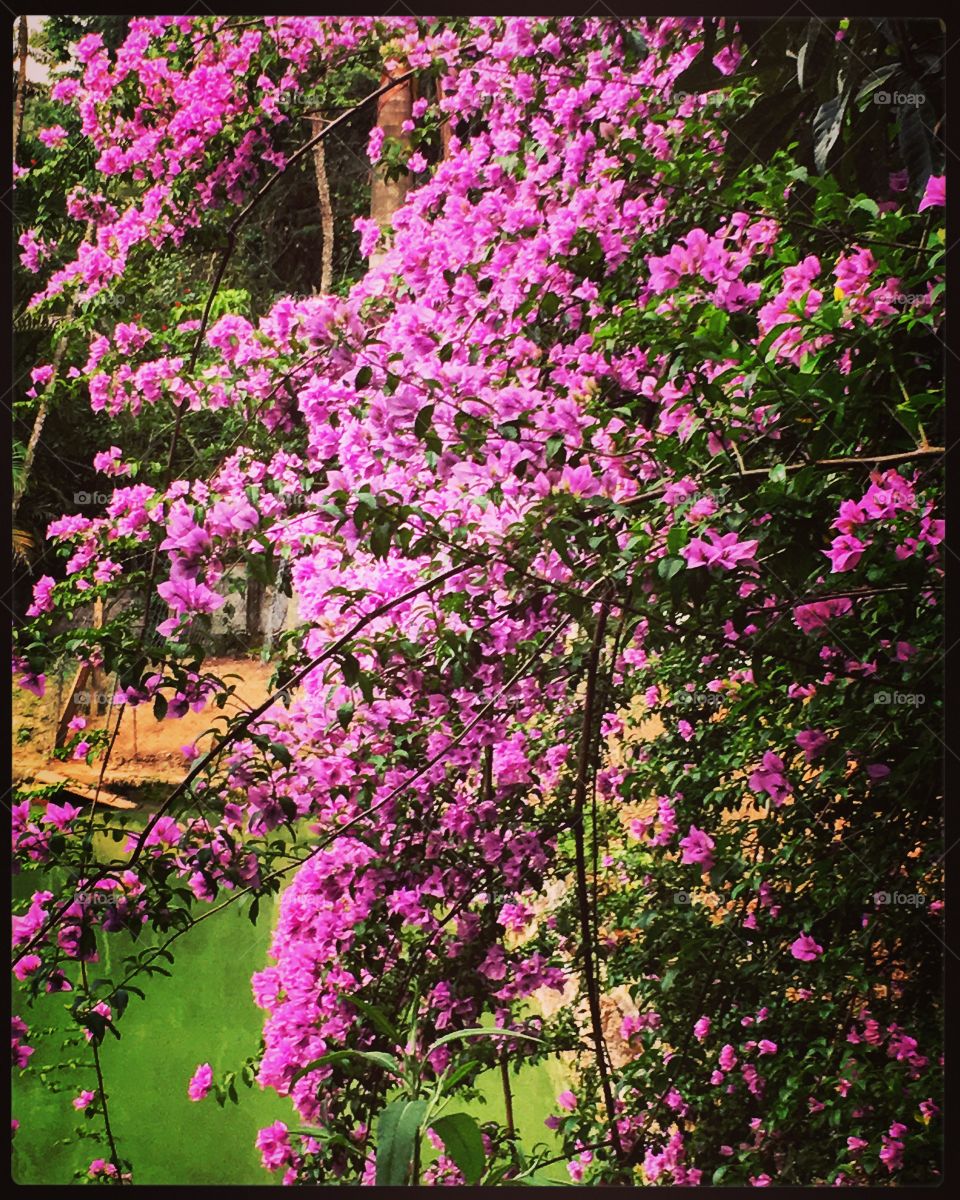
444,127
326,208
23,478
386,196
22,51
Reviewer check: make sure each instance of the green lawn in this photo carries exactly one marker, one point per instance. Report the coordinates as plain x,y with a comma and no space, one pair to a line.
203,1013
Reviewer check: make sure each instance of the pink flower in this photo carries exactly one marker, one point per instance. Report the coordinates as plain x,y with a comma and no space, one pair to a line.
81,750
767,1047
811,742
727,60
55,136
856,1144
720,550
845,552
935,193
818,615
60,815
891,1155
769,778
805,948
37,684
42,596
100,1166
567,1100
27,965
701,1029
697,848
274,1146
375,143
200,1082
83,1100
728,1058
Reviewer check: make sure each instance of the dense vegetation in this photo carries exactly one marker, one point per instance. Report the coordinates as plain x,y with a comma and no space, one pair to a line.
609,494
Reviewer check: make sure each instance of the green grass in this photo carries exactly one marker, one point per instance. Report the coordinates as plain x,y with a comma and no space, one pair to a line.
204,1012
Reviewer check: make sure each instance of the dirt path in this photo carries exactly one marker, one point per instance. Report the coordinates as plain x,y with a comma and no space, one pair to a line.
147,751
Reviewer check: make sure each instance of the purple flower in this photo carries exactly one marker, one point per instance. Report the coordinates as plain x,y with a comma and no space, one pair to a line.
718,550
845,552
201,1081
697,847
811,742
769,778
935,193
567,1100
805,948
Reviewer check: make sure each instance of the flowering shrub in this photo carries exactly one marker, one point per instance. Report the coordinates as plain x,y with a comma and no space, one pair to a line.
612,522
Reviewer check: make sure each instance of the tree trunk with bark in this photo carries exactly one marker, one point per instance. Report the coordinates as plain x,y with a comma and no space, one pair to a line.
386,195
326,208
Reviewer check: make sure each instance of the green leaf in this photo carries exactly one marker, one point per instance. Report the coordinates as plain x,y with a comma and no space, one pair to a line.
805,54
463,1142
482,1031
386,1062
345,714
827,124
363,377
677,538
914,145
281,753
351,668
376,1017
397,1131
875,80
421,425
459,1073
867,204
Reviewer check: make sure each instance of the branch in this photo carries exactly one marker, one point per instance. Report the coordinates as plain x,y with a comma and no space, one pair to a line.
905,456
101,1089
583,893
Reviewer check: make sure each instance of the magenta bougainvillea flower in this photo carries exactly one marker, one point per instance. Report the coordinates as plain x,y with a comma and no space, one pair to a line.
805,948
